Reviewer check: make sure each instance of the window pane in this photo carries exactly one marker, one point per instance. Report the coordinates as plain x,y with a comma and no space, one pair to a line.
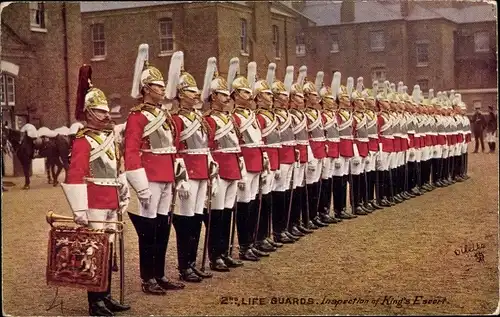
424,84
481,41
422,53
165,27
243,36
11,93
98,32
377,41
166,44
2,90
378,74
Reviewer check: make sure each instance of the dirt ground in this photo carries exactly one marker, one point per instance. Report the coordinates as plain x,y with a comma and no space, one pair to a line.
393,262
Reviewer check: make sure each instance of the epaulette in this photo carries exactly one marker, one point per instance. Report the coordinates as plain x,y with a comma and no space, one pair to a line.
81,133
139,107
266,113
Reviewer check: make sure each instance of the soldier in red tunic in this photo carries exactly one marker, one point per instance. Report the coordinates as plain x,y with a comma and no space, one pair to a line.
317,160
372,186
301,207
94,188
386,147
226,151
193,149
256,162
330,175
150,156
269,125
283,214
361,152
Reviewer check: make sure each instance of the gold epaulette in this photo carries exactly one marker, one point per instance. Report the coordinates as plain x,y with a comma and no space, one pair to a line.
266,113
81,133
140,107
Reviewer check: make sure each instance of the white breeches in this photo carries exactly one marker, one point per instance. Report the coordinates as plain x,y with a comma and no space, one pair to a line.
490,137
357,169
371,162
437,151
102,215
313,176
298,176
226,194
251,188
425,153
464,147
270,183
327,171
393,162
161,198
337,166
418,155
283,183
196,200
384,159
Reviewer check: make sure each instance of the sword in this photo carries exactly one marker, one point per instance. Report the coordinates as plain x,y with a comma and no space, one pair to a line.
291,199
351,194
233,224
207,228
406,174
259,210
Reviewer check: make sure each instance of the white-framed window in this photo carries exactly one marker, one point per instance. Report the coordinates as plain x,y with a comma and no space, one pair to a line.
482,41
276,41
378,73
244,36
98,42
422,54
300,44
37,15
166,35
377,40
334,48
7,90
424,84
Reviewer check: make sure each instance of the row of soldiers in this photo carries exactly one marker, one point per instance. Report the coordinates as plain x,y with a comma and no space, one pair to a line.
267,160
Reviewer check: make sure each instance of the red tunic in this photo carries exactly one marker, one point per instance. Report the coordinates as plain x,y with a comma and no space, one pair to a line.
362,146
196,164
99,197
387,144
159,167
272,152
229,167
345,145
253,156
412,142
286,154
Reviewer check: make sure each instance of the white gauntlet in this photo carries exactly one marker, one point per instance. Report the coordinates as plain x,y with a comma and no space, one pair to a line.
213,167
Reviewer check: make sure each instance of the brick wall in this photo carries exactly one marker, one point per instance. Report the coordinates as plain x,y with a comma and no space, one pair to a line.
40,84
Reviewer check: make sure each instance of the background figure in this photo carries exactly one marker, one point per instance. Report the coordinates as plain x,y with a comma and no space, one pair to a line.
478,124
491,129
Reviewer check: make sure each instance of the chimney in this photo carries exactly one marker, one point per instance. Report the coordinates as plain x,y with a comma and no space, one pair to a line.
405,8
347,11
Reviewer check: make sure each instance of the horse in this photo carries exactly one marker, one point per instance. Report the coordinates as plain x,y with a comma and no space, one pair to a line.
55,149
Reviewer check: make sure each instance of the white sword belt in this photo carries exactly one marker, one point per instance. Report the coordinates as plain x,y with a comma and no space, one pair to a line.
362,140
289,143
274,145
318,139
163,150
194,151
228,150
104,181
333,139
373,136
252,145
302,142
346,137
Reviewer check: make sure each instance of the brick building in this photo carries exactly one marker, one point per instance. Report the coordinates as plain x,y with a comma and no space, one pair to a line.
41,51
438,44
261,31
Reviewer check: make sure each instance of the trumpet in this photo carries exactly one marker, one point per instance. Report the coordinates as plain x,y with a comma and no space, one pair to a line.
52,217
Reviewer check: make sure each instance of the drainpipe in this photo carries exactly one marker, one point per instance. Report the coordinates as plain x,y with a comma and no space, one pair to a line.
66,66
286,44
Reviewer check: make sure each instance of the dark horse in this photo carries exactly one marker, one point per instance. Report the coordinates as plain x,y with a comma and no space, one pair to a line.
56,150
